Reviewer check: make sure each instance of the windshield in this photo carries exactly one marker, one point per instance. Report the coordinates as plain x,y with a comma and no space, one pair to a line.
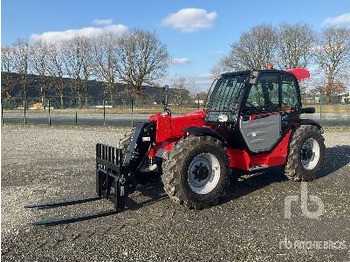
226,93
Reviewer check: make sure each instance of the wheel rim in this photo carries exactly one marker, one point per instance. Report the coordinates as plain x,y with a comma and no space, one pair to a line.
203,173
310,154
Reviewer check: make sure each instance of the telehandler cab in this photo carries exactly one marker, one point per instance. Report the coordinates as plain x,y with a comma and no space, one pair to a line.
251,121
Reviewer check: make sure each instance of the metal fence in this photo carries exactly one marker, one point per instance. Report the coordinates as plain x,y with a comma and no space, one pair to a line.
126,111
330,110
90,112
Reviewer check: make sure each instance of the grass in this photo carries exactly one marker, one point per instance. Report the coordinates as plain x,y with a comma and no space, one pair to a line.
324,108
336,129
116,110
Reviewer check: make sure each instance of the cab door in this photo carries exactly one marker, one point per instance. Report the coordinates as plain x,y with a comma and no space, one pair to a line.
260,121
290,102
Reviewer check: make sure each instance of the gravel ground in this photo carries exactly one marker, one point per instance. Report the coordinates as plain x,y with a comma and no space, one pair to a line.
42,164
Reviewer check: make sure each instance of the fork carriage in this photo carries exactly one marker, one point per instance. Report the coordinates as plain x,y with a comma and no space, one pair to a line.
112,183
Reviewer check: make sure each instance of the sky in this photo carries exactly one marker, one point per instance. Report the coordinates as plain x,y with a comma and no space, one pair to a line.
197,32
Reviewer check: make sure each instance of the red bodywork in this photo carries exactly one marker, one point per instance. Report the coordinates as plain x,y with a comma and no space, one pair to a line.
171,127
299,73
241,159
170,130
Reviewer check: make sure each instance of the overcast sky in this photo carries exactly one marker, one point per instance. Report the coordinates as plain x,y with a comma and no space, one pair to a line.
197,33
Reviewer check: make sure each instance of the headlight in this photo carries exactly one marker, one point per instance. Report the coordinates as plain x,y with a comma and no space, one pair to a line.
223,118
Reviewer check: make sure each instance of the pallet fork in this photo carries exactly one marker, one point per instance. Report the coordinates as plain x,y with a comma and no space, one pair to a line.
113,182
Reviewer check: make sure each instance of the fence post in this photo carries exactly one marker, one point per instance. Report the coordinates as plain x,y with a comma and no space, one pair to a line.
198,100
104,112
320,106
2,114
76,113
49,112
132,111
25,112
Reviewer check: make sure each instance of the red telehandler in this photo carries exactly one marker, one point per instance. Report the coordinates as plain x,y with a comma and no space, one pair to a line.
251,121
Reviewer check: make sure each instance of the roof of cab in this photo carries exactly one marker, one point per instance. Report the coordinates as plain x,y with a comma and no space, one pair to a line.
298,73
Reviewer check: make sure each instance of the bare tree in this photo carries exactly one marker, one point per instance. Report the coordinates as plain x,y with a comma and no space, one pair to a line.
39,53
333,58
202,95
7,55
88,69
253,51
295,45
142,58
180,90
76,54
327,91
104,53
21,64
56,68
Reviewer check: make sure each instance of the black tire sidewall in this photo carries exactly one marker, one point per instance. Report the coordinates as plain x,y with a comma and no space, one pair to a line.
213,195
310,174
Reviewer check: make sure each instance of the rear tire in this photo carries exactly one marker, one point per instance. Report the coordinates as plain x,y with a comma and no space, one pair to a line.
306,154
196,174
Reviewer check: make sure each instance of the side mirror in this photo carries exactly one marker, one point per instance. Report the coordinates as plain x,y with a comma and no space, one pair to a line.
308,110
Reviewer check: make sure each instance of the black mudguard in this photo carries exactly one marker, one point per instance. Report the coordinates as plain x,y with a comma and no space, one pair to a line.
204,131
308,122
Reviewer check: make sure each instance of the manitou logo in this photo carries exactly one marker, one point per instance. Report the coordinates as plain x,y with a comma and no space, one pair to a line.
303,204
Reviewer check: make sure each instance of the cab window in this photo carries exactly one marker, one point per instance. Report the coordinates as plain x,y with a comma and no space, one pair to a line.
290,99
264,95
256,98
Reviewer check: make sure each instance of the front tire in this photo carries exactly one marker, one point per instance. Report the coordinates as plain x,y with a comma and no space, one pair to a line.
196,173
306,154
